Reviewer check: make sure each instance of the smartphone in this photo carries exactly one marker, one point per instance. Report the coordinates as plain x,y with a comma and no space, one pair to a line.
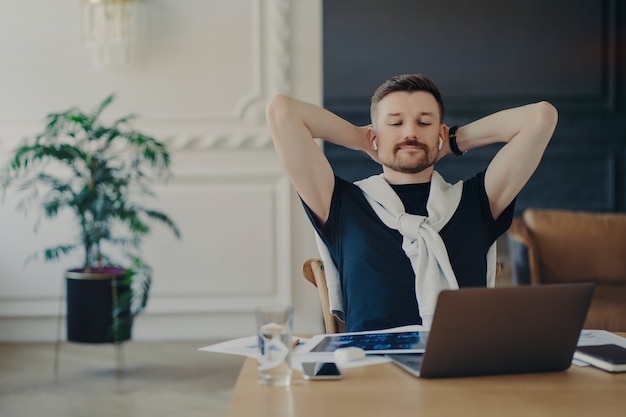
321,370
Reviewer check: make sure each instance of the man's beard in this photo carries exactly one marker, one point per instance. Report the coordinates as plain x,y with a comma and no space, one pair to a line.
409,164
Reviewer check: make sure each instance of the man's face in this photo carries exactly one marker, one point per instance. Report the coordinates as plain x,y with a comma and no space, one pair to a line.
407,129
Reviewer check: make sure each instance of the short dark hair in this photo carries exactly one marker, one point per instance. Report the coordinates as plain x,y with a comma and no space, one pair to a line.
406,82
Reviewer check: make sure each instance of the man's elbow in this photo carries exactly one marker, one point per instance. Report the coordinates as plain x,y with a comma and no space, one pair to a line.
277,108
547,115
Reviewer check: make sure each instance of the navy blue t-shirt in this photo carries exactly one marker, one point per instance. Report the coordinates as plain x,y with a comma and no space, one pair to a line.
377,279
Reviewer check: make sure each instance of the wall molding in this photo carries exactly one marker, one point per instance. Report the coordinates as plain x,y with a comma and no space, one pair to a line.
275,285
240,128
233,141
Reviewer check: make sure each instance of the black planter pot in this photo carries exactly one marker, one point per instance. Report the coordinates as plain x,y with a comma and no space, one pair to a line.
98,306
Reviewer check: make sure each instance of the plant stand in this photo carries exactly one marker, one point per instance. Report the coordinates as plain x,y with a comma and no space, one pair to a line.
96,313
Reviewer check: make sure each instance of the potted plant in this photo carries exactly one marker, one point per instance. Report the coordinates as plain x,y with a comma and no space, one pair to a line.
101,173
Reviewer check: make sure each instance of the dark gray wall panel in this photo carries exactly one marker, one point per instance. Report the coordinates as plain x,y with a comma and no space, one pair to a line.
486,55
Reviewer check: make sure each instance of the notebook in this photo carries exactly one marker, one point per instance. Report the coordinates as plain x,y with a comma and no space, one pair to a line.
509,330
610,357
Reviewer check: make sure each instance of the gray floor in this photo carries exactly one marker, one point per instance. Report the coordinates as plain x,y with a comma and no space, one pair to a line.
158,379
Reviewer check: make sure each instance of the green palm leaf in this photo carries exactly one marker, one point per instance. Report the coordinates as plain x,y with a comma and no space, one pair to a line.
94,171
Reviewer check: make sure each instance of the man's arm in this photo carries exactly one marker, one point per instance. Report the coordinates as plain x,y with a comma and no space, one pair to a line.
526,131
293,125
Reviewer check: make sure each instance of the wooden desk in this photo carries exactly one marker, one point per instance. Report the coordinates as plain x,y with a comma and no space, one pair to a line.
386,390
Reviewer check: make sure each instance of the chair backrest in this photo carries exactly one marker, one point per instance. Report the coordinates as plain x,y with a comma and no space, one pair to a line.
313,271
575,246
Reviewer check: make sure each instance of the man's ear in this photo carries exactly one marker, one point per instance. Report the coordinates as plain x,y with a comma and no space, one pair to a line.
371,136
443,130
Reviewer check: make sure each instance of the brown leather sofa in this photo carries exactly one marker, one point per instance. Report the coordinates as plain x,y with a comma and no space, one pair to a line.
558,246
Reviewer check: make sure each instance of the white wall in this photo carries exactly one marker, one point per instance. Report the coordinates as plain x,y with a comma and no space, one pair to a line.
200,85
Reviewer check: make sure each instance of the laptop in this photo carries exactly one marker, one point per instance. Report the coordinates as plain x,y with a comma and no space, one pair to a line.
509,330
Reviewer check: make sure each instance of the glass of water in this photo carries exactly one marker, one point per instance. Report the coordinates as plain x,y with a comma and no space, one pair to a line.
274,326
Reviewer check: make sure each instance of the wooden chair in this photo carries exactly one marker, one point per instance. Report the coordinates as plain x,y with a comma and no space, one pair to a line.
313,271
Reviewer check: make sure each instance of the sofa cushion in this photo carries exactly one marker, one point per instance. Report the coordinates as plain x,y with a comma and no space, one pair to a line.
578,246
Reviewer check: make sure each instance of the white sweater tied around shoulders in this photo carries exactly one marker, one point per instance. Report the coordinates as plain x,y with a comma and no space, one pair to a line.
421,242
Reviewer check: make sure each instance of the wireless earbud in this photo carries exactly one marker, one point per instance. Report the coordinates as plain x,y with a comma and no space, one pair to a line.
440,143
375,145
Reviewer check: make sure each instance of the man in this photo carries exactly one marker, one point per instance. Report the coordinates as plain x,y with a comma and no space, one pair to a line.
391,264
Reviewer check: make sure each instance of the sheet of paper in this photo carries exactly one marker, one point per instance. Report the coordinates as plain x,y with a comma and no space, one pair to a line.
247,346
600,337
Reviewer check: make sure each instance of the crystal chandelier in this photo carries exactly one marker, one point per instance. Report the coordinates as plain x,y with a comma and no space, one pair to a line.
111,29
